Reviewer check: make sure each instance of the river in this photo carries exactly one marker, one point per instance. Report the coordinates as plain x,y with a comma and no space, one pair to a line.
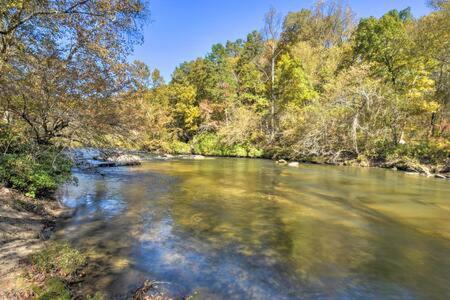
251,229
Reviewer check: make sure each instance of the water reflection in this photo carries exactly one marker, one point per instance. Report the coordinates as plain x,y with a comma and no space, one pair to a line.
237,228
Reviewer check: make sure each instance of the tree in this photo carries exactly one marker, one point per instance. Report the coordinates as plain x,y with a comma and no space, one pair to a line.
389,45
186,110
432,36
385,42
272,29
60,60
292,85
326,25
157,79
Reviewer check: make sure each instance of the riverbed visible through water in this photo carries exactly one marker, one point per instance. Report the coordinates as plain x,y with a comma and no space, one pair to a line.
229,228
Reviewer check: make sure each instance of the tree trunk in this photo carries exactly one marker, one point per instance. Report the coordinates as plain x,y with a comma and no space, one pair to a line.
272,99
354,133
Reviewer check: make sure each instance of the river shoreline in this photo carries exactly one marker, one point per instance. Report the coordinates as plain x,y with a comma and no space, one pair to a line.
122,157
26,225
404,165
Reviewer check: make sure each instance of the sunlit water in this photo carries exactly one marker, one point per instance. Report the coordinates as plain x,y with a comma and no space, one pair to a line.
251,229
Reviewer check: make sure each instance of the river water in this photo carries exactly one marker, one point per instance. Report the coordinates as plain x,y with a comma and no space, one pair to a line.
250,229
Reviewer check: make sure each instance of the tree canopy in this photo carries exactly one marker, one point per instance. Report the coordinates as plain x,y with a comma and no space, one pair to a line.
320,84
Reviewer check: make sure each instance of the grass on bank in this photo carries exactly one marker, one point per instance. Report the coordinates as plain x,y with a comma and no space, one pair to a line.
54,270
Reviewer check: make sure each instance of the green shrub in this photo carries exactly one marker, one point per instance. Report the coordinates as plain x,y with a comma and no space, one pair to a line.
34,174
58,258
178,147
425,152
54,289
211,144
207,144
255,152
28,167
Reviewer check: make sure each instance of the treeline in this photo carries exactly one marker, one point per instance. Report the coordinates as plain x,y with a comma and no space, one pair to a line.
316,85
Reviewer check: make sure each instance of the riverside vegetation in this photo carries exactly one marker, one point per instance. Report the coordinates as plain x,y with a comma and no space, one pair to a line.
317,85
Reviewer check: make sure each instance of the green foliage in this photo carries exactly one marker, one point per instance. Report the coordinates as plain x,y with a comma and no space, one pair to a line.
385,41
186,112
59,263
178,147
292,84
207,144
324,89
59,258
35,175
55,86
35,170
54,289
425,152
96,296
212,144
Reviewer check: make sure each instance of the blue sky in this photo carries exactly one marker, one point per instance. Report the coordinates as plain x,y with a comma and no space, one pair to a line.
183,30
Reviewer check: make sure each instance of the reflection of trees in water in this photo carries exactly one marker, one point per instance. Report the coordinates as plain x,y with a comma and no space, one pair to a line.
404,260
325,236
232,222
225,208
266,226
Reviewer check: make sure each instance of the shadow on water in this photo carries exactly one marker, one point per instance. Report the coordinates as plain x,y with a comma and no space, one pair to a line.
239,228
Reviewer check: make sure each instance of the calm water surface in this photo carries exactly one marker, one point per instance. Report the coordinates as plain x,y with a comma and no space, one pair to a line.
251,229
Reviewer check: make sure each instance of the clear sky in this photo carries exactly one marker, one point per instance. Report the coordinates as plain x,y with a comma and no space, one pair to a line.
183,30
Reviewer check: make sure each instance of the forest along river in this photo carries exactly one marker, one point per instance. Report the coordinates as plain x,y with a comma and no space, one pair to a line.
247,228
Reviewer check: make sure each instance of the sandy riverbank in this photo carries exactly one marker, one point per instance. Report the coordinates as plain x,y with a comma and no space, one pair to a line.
25,225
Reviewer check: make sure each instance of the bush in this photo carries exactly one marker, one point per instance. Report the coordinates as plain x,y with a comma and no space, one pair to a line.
178,147
54,288
211,144
207,144
58,258
28,167
255,152
36,175
430,152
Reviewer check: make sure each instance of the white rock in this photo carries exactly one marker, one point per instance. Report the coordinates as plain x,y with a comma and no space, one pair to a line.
293,164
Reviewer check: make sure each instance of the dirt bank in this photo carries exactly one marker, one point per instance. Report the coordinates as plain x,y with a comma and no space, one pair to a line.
25,225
